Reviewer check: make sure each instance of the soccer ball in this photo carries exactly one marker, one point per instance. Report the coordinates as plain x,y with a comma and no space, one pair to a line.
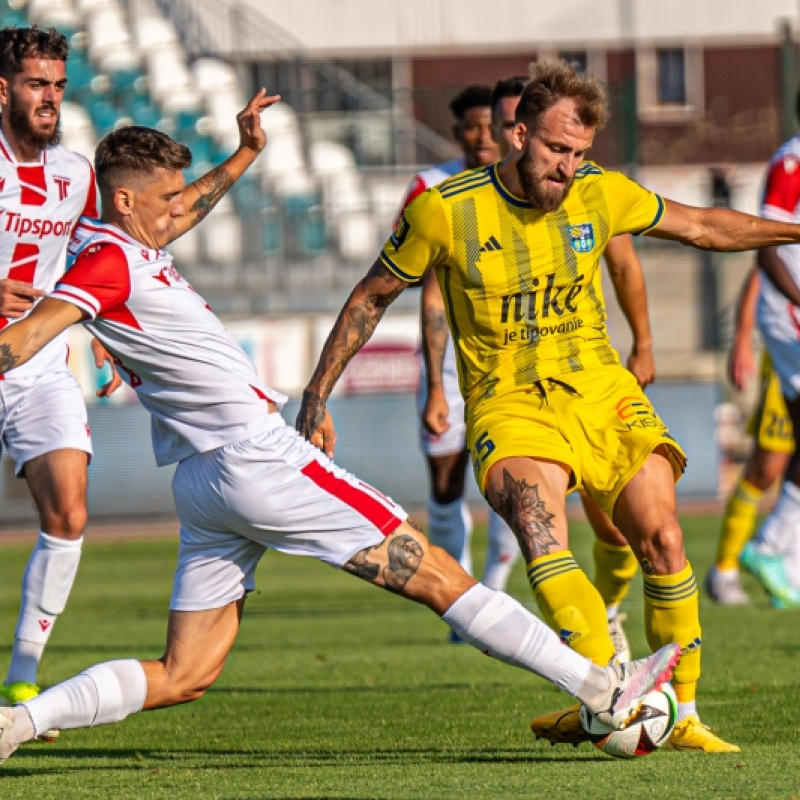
646,732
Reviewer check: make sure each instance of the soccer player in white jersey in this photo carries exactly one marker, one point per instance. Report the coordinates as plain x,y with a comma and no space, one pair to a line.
773,556
245,480
444,446
44,189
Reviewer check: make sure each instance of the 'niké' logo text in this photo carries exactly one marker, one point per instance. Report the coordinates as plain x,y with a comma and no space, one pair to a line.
542,303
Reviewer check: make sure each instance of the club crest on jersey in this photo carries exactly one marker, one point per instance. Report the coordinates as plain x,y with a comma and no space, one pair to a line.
63,186
581,237
400,233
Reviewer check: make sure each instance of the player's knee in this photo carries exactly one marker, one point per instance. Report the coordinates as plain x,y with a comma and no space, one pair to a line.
65,522
663,549
188,687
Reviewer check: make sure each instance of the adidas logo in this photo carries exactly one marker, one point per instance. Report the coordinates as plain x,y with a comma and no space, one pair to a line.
567,636
692,647
490,245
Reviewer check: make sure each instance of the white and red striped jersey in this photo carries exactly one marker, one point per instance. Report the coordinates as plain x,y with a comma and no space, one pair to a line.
430,177
40,204
781,201
200,387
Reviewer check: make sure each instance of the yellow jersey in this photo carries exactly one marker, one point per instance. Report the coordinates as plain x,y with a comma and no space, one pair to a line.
521,286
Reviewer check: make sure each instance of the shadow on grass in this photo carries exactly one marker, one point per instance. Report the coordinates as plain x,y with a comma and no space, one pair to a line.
211,759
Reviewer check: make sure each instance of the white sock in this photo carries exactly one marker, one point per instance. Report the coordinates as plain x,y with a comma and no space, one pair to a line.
781,528
611,612
102,694
501,552
500,627
450,527
46,585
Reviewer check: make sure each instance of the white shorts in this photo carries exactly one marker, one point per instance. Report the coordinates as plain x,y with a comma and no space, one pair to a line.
453,440
273,490
785,357
44,414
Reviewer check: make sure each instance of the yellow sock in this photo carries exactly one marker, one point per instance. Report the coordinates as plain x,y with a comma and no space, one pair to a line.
571,605
614,568
738,524
671,615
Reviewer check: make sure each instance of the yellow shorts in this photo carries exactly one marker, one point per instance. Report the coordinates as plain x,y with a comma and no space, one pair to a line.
770,422
597,422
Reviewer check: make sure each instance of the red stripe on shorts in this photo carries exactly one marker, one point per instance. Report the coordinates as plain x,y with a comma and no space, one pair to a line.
361,500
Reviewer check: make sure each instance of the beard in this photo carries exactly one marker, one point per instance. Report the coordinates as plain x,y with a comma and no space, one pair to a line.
23,127
537,192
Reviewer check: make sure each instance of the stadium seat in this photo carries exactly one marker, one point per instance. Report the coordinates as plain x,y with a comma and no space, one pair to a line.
77,131
154,33
356,236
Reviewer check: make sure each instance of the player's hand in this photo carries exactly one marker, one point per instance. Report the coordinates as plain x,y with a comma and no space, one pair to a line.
434,413
315,424
741,362
642,364
17,297
251,135
325,436
101,357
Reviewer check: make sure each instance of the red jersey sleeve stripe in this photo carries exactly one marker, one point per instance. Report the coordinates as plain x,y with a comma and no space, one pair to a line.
783,184
360,499
85,302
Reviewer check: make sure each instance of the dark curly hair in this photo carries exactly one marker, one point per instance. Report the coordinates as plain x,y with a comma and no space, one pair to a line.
18,44
470,97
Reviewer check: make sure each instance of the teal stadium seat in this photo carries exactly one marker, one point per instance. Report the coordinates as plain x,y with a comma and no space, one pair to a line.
305,222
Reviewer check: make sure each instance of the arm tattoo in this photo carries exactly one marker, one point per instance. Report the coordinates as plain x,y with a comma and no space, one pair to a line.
434,337
404,556
212,187
7,358
520,505
355,324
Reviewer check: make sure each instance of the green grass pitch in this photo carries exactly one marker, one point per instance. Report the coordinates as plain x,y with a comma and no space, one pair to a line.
338,690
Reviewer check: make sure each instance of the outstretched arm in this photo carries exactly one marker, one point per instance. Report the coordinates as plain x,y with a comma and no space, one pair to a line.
434,344
24,339
357,320
202,195
627,276
721,229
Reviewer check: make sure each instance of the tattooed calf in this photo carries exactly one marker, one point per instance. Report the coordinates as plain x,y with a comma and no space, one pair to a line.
404,555
521,507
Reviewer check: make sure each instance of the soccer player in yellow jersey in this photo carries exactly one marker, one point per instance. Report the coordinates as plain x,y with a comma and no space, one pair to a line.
549,408
773,445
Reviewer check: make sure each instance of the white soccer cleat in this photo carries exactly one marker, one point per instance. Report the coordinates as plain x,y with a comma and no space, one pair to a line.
724,588
6,724
633,680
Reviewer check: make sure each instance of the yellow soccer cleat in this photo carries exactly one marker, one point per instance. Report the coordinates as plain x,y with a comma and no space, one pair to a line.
691,734
561,727
19,692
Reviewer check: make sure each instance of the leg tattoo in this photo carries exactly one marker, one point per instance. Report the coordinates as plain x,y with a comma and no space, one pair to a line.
520,506
404,556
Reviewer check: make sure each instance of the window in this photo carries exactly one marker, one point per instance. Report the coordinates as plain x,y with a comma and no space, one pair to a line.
669,83
579,58
671,68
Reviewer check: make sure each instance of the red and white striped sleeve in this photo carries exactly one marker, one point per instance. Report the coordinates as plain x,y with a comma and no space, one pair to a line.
98,281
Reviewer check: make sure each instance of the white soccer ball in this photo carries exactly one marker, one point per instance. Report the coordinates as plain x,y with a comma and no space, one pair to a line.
645,733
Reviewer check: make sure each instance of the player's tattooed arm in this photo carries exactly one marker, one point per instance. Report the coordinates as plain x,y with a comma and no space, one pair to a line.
521,507
24,339
357,320
434,344
211,187
390,564
7,358
200,197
